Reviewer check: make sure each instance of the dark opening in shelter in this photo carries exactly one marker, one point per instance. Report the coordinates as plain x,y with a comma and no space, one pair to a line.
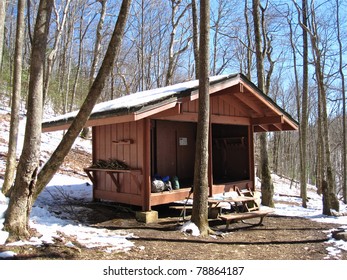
230,152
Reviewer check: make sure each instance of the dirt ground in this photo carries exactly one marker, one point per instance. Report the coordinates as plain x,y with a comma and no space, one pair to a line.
280,238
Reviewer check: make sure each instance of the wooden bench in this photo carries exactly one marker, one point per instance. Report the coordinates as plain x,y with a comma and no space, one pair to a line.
183,209
228,218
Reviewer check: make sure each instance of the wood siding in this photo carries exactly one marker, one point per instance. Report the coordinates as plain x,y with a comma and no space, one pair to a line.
124,142
154,148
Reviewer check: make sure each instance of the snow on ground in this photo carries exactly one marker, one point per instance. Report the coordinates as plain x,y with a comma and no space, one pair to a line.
50,222
288,203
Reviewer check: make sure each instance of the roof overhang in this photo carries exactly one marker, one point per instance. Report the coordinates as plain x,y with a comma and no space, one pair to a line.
263,113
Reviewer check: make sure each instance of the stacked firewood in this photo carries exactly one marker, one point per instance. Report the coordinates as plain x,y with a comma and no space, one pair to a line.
110,164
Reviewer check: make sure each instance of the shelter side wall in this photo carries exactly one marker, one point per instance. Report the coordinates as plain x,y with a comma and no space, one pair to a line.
122,142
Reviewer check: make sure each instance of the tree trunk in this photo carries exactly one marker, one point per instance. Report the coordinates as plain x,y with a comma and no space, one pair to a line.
174,54
304,112
87,131
15,102
195,37
249,43
344,128
98,41
2,27
200,203
266,182
53,52
330,200
21,198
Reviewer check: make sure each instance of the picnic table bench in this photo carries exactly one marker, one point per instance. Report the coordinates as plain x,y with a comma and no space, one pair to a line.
241,216
243,206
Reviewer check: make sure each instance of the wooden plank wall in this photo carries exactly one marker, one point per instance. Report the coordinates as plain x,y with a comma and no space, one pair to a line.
222,105
132,153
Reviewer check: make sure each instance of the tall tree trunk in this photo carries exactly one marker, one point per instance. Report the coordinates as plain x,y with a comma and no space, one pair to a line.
57,158
200,204
86,132
21,198
195,37
249,43
344,128
15,102
304,111
2,28
79,61
330,200
266,182
53,52
98,41
174,55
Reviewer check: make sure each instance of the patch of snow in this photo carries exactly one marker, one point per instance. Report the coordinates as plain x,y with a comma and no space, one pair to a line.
190,228
7,254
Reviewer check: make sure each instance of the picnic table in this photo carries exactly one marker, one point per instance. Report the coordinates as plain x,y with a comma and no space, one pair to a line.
240,207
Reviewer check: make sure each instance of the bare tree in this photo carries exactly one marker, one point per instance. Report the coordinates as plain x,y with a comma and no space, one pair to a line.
2,27
200,203
344,128
82,34
96,56
60,25
15,101
267,188
98,41
195,37
176,17
31,184
304,110
21,198
328,186
303,105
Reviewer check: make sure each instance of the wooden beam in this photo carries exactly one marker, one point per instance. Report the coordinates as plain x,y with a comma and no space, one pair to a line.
261,128
234,102
268,120
246,99
228,91
169,112
183,117
153,110
275,127
230,120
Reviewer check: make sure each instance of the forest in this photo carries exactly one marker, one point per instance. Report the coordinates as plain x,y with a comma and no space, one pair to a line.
303,48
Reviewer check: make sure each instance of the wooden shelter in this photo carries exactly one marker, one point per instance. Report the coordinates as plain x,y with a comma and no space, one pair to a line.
154,133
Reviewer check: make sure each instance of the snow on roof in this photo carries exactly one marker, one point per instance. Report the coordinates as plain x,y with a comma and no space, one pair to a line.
140,99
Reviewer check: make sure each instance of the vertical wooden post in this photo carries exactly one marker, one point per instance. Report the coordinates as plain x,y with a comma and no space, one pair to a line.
146,191
210,161
94,144
251,155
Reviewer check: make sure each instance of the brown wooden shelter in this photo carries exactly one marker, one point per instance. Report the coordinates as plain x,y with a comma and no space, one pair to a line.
154,133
